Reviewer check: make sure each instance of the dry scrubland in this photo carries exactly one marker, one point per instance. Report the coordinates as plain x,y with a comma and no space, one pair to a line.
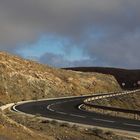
130,77
53,130
20,127
23,80
11,130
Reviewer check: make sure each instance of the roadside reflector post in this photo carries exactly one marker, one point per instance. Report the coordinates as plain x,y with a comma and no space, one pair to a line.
135,116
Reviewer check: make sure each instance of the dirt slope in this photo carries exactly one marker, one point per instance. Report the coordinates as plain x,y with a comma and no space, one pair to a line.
23,80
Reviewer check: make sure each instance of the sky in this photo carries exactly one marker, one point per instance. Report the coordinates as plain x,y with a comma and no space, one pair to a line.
72,33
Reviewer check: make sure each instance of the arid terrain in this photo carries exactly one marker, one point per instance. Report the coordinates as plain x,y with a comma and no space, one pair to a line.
130,101
17,127
24,80
129,77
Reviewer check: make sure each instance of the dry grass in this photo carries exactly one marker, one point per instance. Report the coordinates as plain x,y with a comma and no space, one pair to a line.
23,80
130,77
64,131
11,130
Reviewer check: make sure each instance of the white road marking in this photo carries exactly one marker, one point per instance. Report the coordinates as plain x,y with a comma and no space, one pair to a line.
132,124
103,120
80,107
49,108
14,108
63,113
77,116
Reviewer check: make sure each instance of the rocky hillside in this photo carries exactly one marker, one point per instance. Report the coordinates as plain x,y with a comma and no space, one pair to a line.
23,79
129,77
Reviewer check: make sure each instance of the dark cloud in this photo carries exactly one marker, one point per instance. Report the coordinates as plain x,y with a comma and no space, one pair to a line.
59,61
120,51
23,21
54,60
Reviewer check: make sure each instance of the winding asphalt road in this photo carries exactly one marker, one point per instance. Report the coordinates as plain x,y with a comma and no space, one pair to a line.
66,109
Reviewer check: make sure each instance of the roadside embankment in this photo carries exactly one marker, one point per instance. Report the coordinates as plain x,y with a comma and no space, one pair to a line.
110,104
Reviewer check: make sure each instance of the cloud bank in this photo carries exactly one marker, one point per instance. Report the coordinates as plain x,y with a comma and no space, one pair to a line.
106,29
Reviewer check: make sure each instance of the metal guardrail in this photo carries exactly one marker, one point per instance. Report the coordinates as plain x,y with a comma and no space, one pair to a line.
114,109
90,103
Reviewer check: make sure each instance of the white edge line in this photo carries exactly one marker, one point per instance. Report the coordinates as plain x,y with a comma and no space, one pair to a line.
74,115
78,124
103,120
136,125
63,113
71,123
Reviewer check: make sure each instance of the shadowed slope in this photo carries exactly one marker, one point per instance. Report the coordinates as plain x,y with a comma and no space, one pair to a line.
129,77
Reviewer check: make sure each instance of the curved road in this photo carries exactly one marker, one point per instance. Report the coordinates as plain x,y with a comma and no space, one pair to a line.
66,109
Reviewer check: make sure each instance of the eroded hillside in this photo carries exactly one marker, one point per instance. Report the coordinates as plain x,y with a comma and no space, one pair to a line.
22,80
130,101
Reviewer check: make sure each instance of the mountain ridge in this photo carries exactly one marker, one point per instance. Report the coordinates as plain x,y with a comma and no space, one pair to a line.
128,76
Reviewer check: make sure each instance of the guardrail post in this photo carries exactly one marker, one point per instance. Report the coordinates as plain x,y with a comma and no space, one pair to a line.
103,111
119,112
135,116
115,113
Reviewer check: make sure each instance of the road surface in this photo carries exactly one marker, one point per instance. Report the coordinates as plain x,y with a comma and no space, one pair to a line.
66,109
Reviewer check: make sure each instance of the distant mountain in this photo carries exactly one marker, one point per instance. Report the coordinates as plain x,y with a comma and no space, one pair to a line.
127,79
22,79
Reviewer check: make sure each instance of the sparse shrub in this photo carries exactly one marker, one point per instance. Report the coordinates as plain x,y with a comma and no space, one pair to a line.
97,132
34,98
75,127
54,122
44,121
65,125
1,103
40,128
88,131
23,100
109,133
37,115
